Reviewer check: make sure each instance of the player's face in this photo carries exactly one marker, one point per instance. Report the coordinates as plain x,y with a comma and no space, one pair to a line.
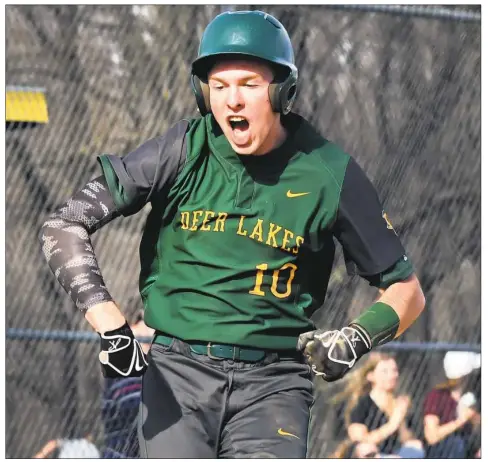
385,375
239,99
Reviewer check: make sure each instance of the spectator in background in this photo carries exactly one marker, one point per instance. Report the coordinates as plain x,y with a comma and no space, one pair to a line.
121,404
69,448
451,421
348,450
374,415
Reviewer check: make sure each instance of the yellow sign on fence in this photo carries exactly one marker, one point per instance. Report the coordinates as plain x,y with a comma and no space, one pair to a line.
26,104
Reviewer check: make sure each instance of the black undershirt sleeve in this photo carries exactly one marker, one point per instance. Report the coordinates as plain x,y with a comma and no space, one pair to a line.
371,246
147,172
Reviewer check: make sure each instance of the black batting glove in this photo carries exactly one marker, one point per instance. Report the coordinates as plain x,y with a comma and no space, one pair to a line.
121,354
331,354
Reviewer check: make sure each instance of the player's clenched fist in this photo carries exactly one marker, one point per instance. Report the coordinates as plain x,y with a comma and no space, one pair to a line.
333,353
121,354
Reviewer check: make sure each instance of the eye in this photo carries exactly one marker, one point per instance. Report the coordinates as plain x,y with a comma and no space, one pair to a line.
216,84
251,85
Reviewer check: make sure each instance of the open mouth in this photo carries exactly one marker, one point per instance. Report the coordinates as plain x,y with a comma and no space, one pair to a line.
238,123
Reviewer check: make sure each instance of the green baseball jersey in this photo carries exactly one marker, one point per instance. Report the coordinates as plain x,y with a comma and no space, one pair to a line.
239,249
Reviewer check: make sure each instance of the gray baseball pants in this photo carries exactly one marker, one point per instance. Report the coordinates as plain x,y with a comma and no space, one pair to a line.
194,406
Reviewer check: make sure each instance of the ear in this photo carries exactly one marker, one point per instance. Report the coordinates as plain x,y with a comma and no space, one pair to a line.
370,376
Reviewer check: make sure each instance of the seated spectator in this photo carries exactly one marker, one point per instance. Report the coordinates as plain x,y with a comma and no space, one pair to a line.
374,415
119,414
69,448
365,451
121,405
451,421
348,450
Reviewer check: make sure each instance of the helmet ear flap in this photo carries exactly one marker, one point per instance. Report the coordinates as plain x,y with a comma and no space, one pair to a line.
283,94
274,96
202,94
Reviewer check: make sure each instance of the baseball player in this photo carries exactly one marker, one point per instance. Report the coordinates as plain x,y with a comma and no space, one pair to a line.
235,257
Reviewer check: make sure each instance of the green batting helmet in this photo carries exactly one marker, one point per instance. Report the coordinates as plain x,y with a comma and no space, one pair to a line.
252,34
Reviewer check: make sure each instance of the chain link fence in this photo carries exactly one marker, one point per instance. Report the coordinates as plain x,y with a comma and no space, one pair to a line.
400,92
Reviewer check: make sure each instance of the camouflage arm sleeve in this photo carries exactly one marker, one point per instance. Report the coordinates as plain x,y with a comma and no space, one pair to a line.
66,244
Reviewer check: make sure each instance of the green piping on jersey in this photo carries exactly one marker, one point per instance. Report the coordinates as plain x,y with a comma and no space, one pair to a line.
400,271
114,186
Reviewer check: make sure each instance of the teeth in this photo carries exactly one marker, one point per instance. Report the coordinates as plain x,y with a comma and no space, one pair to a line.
236,119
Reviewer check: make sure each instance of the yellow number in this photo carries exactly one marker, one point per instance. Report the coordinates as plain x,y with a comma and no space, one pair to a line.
274,286
276,273
259,280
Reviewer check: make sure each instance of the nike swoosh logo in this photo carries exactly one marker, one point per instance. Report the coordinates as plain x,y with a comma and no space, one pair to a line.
291,194
138,366
283,433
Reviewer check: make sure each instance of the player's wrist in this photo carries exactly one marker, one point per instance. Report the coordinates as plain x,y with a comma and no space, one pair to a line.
379,324
124,329
104,317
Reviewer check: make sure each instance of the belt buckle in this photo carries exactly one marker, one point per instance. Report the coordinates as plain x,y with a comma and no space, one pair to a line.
210,355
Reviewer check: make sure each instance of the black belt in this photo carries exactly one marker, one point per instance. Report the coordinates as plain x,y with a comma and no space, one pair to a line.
219,351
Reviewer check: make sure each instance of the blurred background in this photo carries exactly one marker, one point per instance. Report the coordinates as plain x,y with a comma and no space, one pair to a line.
397,87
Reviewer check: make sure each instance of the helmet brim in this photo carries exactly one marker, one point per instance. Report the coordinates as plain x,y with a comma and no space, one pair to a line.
203,64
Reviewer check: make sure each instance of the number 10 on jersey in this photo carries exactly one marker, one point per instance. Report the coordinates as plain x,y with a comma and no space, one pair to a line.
257,290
